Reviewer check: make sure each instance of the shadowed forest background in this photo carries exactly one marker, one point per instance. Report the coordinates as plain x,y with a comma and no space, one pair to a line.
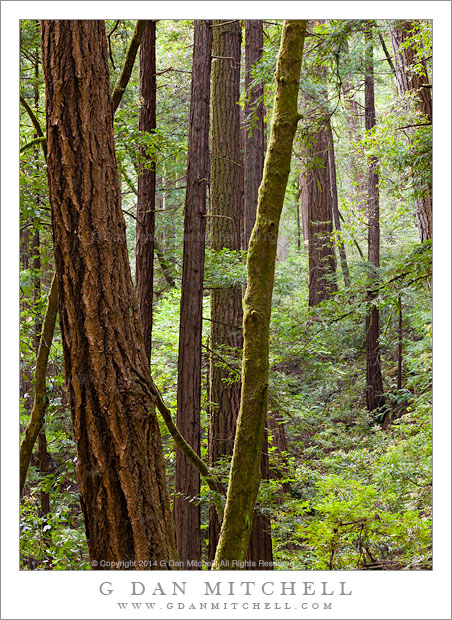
142,154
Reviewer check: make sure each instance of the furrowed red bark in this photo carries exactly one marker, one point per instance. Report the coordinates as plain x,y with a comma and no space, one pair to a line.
40,402
187,513
245,471
120,469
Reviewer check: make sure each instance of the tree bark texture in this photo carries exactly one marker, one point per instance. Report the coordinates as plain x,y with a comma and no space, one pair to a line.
374,381
245,470
187,513
335,206
322,259
226,206
254,116
120,468
45,342
145,230
410,80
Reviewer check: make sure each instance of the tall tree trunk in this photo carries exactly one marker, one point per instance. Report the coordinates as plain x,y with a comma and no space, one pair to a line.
120,468
322,259
299,234
260,554
245,471
374,381
254,115
187,513
304,203
408,80
335,205
40,401
144,275
226,196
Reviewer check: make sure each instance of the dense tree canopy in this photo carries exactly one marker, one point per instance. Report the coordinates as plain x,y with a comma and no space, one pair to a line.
139,170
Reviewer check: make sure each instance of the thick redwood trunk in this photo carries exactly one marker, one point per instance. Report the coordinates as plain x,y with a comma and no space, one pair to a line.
146,186
187,513
374,381
411,80
322,260
120,467
226,195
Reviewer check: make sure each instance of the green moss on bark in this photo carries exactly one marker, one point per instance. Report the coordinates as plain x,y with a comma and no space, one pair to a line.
245,471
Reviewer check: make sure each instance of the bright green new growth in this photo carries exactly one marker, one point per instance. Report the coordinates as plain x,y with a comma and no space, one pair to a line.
245,471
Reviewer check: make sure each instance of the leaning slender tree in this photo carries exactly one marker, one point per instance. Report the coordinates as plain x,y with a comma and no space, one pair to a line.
120,469
245,471
187,513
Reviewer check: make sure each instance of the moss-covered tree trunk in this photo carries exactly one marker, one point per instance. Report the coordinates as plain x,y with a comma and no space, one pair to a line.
226,217
120,468
245,471
187,513
145,229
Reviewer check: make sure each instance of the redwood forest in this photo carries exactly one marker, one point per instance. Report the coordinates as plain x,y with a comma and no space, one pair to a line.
225,294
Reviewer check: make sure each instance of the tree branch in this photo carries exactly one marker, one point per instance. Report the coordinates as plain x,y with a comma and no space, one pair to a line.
36,125
387,54
212,481
124,77
40,398
33,142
